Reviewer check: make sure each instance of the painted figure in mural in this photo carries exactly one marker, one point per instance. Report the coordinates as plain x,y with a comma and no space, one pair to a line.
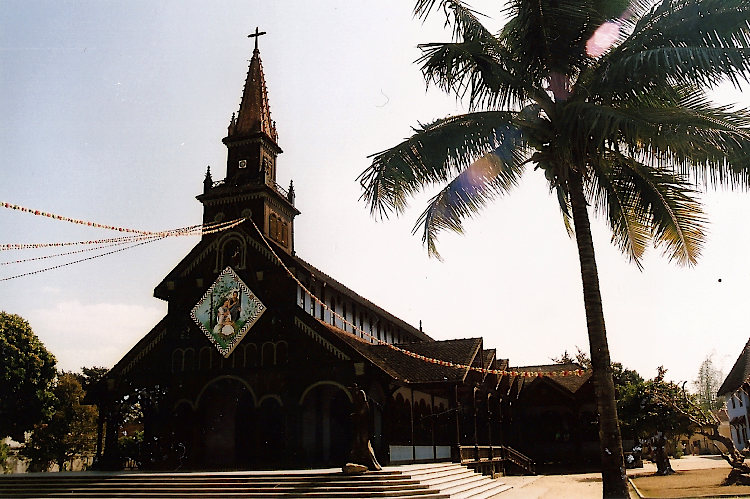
362,452
224,323
234,306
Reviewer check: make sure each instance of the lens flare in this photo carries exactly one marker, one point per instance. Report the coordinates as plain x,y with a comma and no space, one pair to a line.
603,38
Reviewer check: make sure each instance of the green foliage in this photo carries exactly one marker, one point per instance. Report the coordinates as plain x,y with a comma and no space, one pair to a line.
4,457
90,376
131,445
69,432
643,409
27,371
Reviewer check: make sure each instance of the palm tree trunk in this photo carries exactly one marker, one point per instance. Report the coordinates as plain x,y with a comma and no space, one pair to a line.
614,479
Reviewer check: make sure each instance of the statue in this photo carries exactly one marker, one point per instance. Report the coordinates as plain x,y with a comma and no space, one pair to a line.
362,457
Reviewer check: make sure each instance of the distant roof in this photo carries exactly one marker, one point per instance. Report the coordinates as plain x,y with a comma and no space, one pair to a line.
571,383
411,370
739,373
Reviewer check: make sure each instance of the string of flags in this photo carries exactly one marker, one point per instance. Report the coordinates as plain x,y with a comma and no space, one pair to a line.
137,238
424,358
141,237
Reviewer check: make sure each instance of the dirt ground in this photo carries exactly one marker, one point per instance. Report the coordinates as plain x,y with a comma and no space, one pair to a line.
689,483
690,469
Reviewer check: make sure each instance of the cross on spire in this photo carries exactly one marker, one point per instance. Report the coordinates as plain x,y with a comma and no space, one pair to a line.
256,35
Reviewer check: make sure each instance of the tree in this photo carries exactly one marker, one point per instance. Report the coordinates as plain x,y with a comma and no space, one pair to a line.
706,423
707,384
644,415
90,376
27,371
69,432
614,114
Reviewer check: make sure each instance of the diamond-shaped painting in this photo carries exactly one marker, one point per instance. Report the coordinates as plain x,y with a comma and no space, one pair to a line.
227,311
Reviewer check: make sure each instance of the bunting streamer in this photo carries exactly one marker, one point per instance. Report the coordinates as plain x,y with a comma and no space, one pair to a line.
40,213
139,237
431,360
84,250
79,261
195,230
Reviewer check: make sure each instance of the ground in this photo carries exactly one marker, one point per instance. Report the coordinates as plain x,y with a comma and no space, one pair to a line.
691,470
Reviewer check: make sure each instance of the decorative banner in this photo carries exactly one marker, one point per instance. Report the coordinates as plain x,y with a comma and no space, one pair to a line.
227,311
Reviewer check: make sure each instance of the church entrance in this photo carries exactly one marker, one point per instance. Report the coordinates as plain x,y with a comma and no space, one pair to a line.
227,417
326,424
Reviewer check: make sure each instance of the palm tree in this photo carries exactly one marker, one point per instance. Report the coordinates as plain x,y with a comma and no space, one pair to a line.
613,112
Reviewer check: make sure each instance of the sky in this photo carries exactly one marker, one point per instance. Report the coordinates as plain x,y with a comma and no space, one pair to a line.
112,110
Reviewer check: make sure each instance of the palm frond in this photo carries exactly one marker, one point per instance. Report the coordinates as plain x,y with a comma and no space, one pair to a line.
490,176
687,42
666,202
684,130
483,71
435,153
614,199
550,35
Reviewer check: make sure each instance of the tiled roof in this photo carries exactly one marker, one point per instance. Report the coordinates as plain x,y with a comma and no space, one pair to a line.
489,356
410,370
570,383
739,373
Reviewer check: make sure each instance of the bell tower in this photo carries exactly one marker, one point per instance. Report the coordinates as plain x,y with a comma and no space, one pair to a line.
249,189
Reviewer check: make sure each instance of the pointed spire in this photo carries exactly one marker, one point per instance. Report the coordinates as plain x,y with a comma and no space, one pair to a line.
208,182
254,114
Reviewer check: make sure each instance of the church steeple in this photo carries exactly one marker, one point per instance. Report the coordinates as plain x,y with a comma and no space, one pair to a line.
250,188
254,115
251,135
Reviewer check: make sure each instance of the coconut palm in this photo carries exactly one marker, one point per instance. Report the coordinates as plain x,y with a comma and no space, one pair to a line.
610,106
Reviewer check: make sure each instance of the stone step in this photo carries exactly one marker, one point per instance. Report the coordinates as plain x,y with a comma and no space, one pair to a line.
458,486
198,495
460,482
216,485
47,483
421,473
486,491
447,477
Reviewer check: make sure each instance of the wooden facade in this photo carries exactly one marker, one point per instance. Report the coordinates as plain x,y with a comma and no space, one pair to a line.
283,397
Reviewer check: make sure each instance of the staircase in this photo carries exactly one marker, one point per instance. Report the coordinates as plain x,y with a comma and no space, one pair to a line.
435,480
455,481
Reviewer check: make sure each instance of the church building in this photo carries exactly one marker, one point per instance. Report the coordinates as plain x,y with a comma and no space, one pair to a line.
256,362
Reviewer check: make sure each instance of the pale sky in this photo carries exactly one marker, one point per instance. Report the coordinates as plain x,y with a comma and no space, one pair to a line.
111,112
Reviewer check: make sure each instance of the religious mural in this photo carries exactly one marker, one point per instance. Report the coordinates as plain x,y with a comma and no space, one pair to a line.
227,311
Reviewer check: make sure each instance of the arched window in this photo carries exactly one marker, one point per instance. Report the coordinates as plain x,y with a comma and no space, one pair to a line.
251,355
231,253
282,353
268,354
272,224
177,360
204,358
188,364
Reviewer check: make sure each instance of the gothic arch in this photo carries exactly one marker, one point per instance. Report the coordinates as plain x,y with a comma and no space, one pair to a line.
268,354
328,382
228,243
219,378
178,358
272,396
205,358
180,402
